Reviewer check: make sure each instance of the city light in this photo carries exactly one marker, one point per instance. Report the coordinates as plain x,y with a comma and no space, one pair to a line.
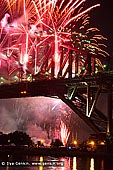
75,142
24,92
92,143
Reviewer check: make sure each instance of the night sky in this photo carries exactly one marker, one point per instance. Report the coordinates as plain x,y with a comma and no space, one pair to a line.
102,18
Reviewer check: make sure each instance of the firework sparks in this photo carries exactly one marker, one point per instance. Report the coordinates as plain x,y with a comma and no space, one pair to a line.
64,133
35,33
37,119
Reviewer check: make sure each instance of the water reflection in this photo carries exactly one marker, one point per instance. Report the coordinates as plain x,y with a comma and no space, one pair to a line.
92,164
74,163
102,164
7,167
41,166
69,163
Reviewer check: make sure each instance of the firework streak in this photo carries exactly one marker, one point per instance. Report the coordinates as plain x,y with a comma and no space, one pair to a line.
38,35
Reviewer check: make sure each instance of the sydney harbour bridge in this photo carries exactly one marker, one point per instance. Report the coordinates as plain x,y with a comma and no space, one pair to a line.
43,53
80,92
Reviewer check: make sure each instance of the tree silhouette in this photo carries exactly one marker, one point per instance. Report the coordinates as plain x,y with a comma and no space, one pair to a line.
20,138
4,139
56,143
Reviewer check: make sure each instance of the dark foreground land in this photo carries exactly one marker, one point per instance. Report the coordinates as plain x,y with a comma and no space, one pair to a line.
56,152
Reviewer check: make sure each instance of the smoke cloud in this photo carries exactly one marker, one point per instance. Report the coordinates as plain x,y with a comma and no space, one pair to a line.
40,118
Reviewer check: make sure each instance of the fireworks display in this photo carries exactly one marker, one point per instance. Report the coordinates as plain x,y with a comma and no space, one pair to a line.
64,133
41,118
38,36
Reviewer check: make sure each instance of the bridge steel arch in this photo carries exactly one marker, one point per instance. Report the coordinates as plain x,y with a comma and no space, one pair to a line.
80,94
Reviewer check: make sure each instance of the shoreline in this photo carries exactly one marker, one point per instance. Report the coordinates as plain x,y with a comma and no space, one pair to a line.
56,152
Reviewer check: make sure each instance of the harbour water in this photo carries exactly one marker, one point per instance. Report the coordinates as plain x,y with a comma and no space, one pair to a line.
52,163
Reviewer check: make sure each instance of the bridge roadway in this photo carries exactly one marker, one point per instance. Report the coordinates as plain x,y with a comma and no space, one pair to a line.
79,93
51,87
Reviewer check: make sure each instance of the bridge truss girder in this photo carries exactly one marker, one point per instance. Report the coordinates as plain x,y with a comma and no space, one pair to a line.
80,94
